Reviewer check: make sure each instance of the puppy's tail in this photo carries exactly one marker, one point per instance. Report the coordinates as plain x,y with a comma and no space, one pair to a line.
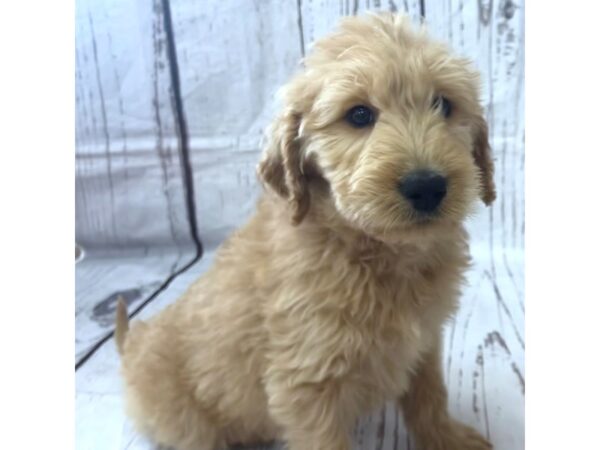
121,325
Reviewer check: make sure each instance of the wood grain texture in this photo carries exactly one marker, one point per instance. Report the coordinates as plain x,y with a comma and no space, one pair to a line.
233,56
131,216
126,145
319,17
100,280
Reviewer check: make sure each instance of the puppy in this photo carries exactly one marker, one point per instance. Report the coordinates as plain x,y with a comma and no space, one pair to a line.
331,299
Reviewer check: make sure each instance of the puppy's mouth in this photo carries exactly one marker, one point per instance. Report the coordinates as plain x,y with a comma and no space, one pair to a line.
424,218
423,222
421,229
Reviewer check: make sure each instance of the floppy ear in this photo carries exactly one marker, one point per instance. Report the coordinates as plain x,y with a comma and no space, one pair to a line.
482,154
280,168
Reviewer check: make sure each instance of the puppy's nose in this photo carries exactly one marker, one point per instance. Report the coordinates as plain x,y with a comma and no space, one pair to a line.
424,189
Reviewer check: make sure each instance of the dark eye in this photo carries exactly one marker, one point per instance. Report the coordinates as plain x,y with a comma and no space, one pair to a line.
360,116
444,105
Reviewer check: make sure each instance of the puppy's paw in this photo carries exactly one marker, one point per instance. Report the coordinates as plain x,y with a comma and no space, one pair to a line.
458,436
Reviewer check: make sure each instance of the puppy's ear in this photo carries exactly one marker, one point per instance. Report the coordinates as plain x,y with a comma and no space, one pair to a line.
482,154
280,168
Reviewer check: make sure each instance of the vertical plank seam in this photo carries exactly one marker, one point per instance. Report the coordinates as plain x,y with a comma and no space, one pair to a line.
181,128
381,429
300,27
105,128
182,136
163,155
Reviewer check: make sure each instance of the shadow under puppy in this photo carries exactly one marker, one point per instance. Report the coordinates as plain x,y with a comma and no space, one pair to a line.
331,299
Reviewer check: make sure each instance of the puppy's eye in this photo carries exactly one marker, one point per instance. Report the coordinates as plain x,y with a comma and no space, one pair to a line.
360,116
444,105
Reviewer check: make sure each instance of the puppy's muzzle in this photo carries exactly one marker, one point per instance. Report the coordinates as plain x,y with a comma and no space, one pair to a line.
424,190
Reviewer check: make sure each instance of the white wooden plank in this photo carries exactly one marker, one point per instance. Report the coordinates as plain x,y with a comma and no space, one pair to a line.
101,278
146,206
484,360
233,56
126,145
320,17
131,217
227,190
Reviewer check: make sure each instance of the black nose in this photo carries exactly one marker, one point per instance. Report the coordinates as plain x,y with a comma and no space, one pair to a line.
424,189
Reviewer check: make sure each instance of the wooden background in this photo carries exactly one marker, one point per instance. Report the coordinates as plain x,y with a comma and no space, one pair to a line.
171,102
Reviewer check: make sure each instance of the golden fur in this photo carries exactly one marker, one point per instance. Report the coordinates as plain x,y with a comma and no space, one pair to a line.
331,299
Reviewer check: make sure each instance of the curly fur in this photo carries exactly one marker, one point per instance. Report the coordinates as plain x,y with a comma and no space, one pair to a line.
331,299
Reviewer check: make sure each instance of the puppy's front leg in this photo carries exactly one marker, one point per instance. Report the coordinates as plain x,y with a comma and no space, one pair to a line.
425,408
310,414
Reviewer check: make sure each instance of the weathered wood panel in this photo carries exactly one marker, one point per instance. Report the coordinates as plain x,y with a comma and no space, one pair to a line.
131,216
320,17
129,189
99,281
233,57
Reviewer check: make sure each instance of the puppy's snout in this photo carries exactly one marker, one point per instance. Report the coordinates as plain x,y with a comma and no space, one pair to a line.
424,189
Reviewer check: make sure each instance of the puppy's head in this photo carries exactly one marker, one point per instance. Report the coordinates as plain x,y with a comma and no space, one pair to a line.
392,122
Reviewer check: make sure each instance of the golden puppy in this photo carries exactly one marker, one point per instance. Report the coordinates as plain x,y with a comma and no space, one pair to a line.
331,299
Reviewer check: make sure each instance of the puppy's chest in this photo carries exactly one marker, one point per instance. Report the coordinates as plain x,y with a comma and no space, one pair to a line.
365,322
392,341
400,320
